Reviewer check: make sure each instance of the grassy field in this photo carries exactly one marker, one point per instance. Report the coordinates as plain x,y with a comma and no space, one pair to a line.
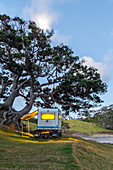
17,152
23,152
77,126
32,126
85,127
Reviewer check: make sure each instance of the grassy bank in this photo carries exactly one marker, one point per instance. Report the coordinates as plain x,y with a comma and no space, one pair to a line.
93,155
17,152
85,127
77,126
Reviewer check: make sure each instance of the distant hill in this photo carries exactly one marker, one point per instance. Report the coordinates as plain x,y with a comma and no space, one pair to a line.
103,117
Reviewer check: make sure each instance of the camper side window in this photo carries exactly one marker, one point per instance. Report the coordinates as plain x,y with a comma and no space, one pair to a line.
47,116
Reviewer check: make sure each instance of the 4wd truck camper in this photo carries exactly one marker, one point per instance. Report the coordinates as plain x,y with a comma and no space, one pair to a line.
49,123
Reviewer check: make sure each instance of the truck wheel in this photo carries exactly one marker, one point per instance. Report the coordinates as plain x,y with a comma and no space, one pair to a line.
60,134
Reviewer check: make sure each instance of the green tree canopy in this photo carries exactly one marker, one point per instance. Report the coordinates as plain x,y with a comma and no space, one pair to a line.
41,73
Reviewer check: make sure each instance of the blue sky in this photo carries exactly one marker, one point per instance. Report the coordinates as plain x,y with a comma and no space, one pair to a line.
86,26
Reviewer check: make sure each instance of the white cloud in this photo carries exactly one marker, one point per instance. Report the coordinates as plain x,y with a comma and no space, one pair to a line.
102,67
44,21
41,12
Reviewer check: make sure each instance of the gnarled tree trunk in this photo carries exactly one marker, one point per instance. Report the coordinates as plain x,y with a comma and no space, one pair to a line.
11,117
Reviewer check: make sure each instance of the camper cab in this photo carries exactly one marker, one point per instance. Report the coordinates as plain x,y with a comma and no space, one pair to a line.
49,122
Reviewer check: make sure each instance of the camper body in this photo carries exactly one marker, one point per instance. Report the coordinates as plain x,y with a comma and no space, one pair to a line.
49,123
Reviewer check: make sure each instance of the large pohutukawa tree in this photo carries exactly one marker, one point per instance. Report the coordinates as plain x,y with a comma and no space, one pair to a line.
41,73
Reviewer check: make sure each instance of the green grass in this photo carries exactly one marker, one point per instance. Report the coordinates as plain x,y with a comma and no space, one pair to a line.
84,127
76,125
37,156
93,155
32,126
17,152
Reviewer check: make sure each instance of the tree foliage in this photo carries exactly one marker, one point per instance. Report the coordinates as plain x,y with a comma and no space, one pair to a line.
41,73
102,116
